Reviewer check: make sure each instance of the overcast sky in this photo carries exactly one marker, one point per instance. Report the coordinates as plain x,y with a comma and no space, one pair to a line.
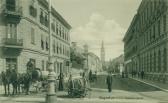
95,20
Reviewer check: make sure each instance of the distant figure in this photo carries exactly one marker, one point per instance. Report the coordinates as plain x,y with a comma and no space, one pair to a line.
122,74
61,80
142,74
30,66
109,80
70,84
90,76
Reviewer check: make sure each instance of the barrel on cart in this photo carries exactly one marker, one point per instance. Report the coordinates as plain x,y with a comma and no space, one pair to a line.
77,87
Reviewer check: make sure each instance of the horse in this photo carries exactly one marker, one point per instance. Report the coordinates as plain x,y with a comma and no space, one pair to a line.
7,81
20,83
4,81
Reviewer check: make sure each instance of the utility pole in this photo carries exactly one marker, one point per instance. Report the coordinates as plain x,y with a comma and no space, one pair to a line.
51,95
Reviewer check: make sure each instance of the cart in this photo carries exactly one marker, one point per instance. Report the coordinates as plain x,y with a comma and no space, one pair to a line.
77,88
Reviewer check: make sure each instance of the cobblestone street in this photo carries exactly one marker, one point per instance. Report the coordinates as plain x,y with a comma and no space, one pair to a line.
125,90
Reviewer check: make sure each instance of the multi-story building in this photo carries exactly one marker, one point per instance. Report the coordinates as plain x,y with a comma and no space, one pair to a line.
117,64
24,36
94,62
146,40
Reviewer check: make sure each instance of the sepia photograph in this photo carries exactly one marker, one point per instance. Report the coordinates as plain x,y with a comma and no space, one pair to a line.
83,51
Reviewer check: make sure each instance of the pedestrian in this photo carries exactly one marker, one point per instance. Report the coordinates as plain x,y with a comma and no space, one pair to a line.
142,74
90,76
70,85
109,80
61,79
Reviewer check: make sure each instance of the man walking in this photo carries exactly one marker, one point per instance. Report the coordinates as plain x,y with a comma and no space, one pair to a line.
109,82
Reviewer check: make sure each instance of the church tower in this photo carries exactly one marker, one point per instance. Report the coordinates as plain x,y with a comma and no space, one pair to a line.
102,55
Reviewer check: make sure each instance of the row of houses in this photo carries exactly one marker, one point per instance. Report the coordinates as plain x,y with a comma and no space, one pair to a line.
146,40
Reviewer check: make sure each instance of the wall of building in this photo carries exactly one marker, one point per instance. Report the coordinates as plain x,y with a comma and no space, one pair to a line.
148,34
34,50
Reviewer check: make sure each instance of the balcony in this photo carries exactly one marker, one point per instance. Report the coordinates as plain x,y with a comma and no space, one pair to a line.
12,13
12,43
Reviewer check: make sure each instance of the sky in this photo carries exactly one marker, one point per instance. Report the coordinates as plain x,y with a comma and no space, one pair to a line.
94,21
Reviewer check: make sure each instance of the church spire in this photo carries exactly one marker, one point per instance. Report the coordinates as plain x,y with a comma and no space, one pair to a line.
102,53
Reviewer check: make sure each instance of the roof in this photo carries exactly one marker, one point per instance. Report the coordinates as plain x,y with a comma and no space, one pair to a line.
55,13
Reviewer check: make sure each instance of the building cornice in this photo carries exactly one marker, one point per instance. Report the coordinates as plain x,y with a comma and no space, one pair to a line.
55,13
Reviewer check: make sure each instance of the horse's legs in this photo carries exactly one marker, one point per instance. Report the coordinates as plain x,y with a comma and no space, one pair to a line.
13,89
18,87
8,88
5,89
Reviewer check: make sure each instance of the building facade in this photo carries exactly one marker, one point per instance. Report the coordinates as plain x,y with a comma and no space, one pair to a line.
146,41
94,63
24,35
117,64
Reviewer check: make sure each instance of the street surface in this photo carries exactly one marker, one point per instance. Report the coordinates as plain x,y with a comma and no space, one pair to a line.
125,90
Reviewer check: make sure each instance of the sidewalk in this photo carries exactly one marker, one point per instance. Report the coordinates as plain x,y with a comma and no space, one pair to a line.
161,86
97,96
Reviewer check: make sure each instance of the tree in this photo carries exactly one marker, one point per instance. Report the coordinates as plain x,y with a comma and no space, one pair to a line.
77,59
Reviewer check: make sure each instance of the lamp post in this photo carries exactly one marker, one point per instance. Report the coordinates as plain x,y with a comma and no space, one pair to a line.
51,95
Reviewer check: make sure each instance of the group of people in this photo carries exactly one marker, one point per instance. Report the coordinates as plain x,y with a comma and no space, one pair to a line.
140,74
92,77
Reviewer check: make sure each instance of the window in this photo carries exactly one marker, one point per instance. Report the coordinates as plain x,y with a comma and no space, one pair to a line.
47,45
154,68
153,31
54,46
159,27
63,50
32,11
32,36
41,17
57,30
150,62
46,20
42,63
42,42
11,31
63,34
60,49
57,48
47,65
60,31
150,33
165,59
164,23
53,26
159,61
11,5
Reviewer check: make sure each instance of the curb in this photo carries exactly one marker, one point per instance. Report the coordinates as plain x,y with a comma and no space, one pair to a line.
165,90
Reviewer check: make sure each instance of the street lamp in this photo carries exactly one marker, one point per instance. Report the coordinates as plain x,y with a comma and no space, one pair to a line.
51,95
